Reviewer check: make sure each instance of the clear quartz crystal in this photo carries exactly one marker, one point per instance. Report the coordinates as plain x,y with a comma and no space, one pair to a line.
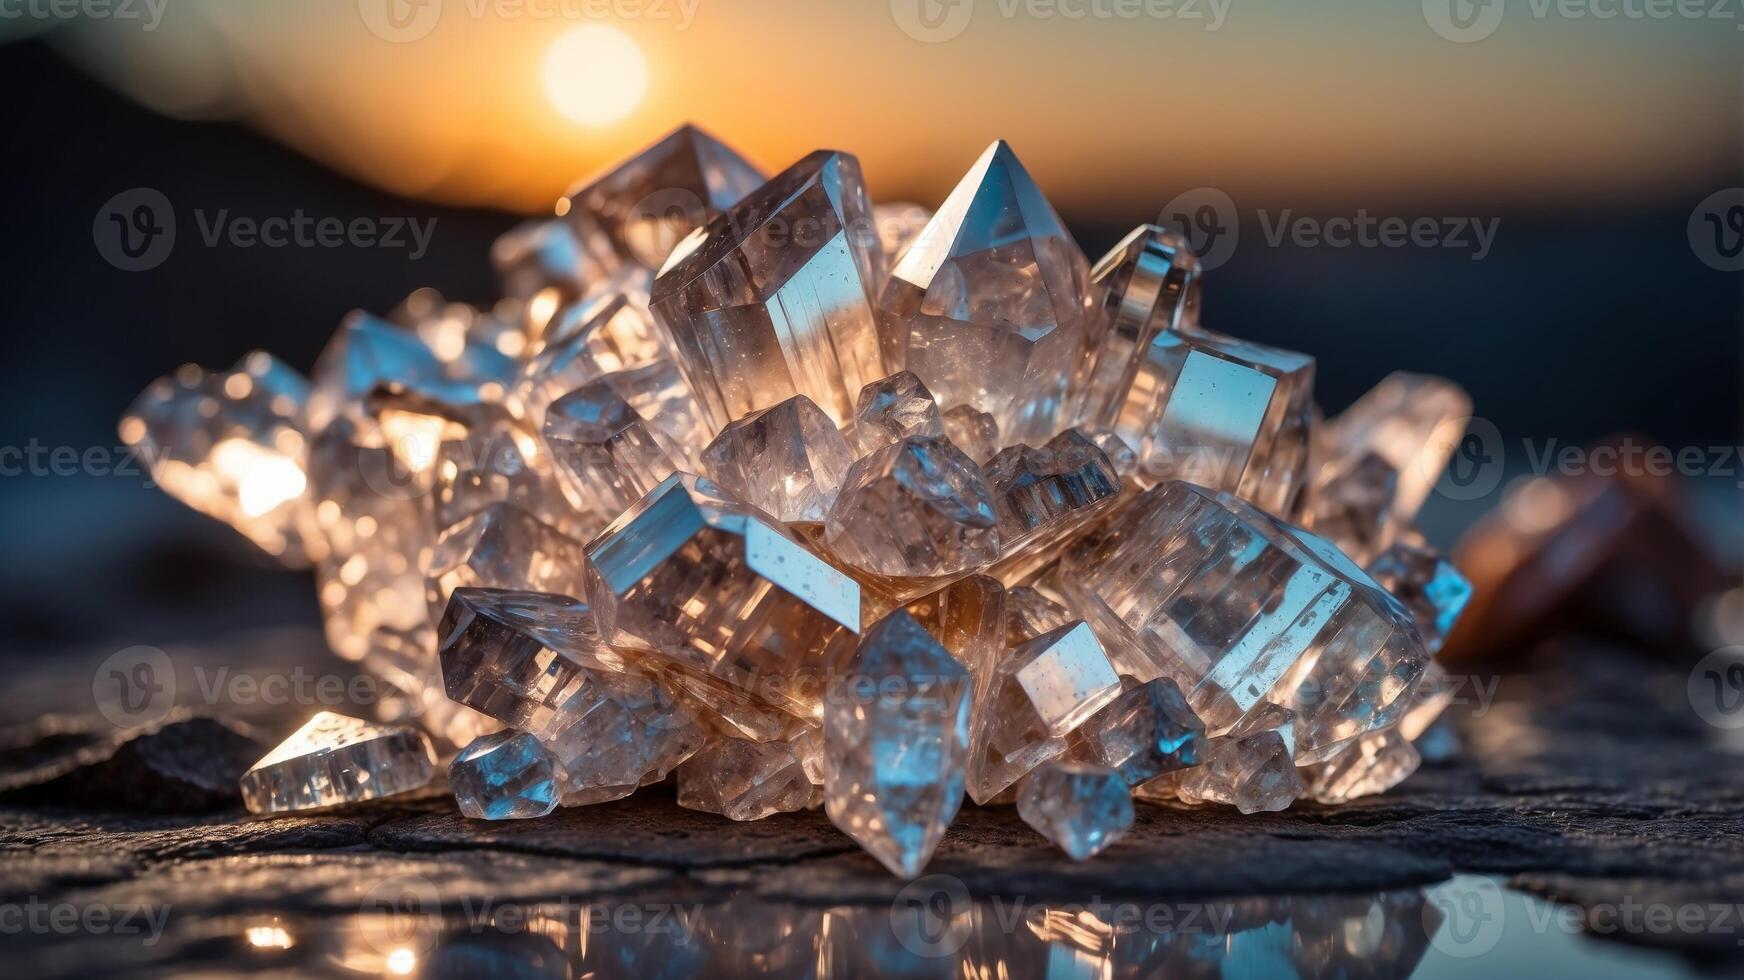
915,509
1147,731
501,462
1222,413
1411,423
1349,501
1148,283
743,780
1372,764
1430,587
989,302
638,211
1045,495
231,445
334,759
705,584
896,731
772,299
659,393
973,431
506,775
1035,694
1253,773
527,659
434,359
1241,609
586,341
1082,808
502,547
787,460
607,454
892,409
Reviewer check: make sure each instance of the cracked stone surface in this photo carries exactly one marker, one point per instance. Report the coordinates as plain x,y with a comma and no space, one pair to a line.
1549,792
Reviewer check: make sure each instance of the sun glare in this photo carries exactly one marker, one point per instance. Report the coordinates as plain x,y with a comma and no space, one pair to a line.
595,74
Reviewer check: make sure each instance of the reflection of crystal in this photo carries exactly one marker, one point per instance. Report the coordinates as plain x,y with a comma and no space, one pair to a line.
506,775
989,301
744,780
1147,283
892,409
914,509
1222,413
335,759
639,210
1147,731
710,587
771,300
1239,609
231,445
895,735
1082,808
1428,584
787,460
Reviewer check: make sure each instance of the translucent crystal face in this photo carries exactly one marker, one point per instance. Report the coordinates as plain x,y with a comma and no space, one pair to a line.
743,780
588,340
1430,587
1146,284
437,360
334,759
1147,731
1240,609
523,658
896,732
1372,764
772,299
1222,413
607,455
712,588
638,211
505,775
914,509
1411,422
232,445
788,460
894,408
1082,808
502,547
988,301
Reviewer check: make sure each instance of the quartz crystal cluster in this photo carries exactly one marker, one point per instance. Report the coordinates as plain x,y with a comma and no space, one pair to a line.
795,501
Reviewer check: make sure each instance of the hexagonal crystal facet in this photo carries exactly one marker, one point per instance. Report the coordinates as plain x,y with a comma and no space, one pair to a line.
710,587
788,460
1223,413
1241,609
772,299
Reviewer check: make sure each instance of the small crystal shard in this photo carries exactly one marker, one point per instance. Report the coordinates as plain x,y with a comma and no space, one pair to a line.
989,302
500,462
707,585
607,455
1241,609
1348,504
1147,731
1430,587
586,341
231,445
787,460
436,360
1222,413
892,409
896,731
1372,764
914,509
1082,808
1148,283
1035,695
743,780
1253,773
772,299
1044,495
503,547
1411,423
505,775
334,759
637,212
973,431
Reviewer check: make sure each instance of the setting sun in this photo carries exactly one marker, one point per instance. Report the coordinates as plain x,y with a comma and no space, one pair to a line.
595,75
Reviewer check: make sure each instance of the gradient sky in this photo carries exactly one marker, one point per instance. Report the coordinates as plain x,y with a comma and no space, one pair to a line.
1310,105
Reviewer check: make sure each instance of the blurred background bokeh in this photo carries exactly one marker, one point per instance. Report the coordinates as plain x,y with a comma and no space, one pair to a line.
1564,162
